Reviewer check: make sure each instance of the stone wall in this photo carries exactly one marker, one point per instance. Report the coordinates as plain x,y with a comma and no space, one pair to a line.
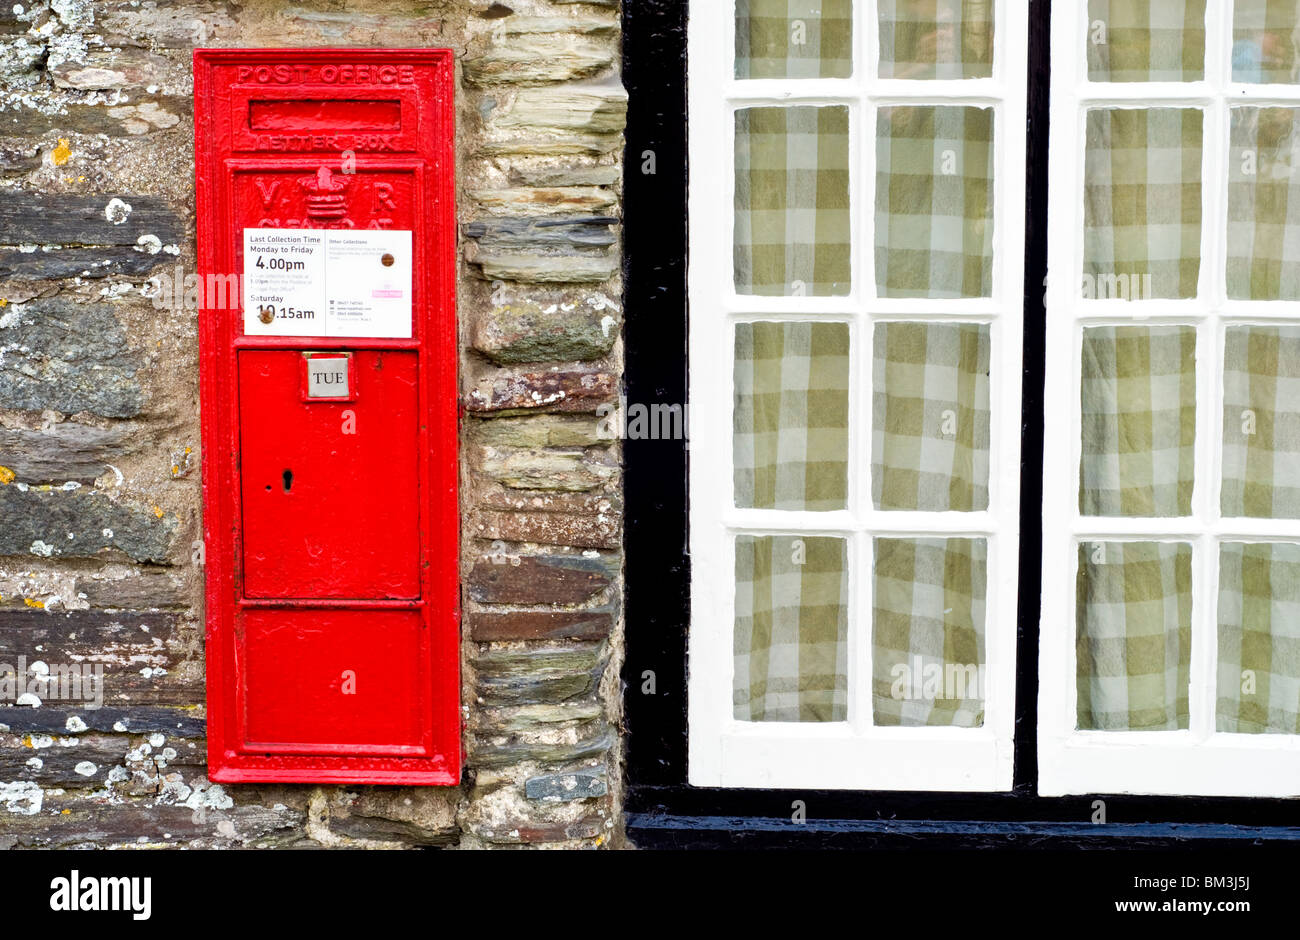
100,512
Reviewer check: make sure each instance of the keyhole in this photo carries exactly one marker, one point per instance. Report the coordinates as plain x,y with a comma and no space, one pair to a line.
288,480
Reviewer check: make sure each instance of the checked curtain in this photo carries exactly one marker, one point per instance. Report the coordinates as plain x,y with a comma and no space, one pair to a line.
926,425
1145,239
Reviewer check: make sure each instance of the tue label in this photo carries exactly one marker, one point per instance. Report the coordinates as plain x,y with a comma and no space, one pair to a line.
327,377
327,282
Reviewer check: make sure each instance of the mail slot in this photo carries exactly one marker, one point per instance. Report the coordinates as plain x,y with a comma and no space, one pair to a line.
325,115
325,187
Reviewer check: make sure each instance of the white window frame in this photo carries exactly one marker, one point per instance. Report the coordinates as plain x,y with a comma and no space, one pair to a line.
1198,760
854,754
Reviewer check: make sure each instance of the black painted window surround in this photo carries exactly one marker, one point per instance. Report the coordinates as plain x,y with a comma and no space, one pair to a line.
663,810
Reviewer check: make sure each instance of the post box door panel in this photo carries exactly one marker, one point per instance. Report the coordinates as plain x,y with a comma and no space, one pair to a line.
317,681
329,487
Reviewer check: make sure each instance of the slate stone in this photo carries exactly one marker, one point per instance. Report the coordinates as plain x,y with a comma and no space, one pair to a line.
378,829
530,832
515,690
540,50
38,522
72,821
105,70
605,175
561,201
30,218
68,357
19,159
510,720
580,390
141,588
538,661
20,62
548,675
66,451
486,754
582,530
546,232
498,497
539,579
572,143
555,109
52,719
64,766
540,431
535,331
565,249
87,263
568,469
567,787
531,268
124,121
491,626
147,656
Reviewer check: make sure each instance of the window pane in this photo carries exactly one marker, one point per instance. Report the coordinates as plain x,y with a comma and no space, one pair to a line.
936,38
930,421
791,420
934,202
1146,40
1261,422
1134,635
1139,421
1264,205
928,632
791,639
1259,638
792,201
1142,203
1264,46
794,38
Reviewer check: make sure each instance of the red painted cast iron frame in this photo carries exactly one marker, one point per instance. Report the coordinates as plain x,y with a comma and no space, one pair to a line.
434,341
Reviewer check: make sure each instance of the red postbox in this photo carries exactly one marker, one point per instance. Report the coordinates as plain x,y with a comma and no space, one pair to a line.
326,230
